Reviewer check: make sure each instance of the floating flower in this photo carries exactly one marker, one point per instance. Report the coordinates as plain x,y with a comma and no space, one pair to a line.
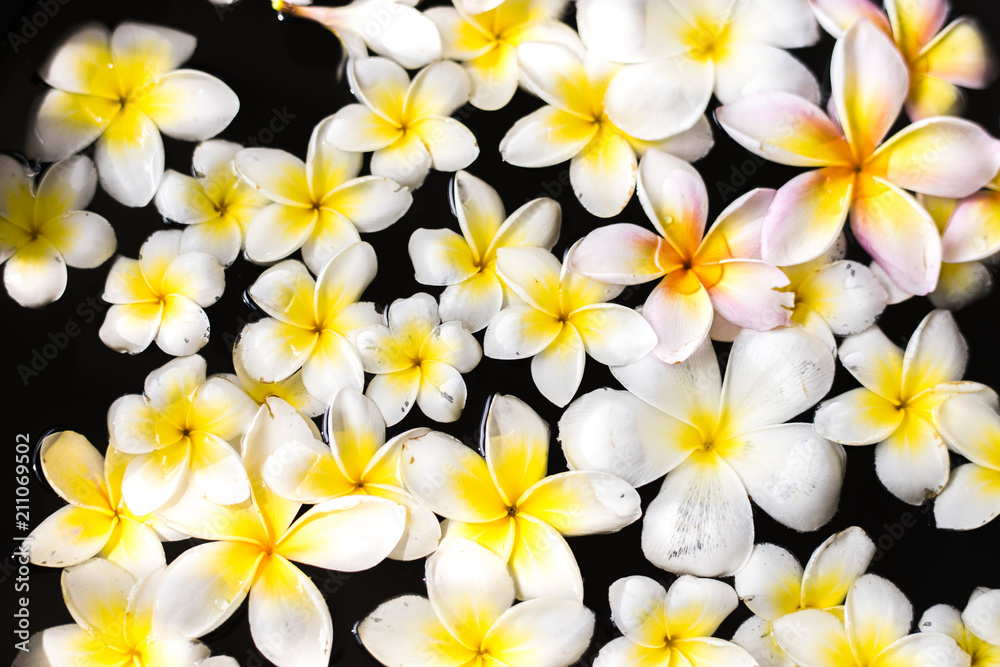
574,126
470,618
982,615
671,627
718,445
292,390
215,205
180,431
507,504
406,123
719,274
161,297
859,174
466,264
981,610
562,319
122,89
318,206
309,321
417,359
43,230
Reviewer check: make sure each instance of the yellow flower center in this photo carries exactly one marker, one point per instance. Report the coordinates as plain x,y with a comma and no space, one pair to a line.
707,39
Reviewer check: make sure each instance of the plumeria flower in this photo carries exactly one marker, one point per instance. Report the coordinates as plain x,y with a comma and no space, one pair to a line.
253,547
358,461
940,58
416,358
319,205
895,405
575,126
563,317
469,618
719,444
702,274
406,123
773,585
466,264
680,52
161,296
871,631
292,390
181,431
309,321
43,229
950,621
215,205
671,627
982,615
486,42
507,504
122,89
859,174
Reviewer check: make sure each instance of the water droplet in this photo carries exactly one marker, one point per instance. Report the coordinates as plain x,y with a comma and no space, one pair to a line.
668,219
981,243
221,604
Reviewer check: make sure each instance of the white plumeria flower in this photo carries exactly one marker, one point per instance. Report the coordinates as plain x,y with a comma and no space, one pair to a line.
215,205
291,390
671,627
970,424
309,322
718,445
773,584
872,631
470,618
982,610
575,126
681,52
122,89
161,297
507,504
466,264
181,430
406,123
982,615
417,359
563,317
319,205
254,546
43,230
358,461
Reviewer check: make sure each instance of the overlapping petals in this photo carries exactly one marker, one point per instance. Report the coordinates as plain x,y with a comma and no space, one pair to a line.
981,612
971,426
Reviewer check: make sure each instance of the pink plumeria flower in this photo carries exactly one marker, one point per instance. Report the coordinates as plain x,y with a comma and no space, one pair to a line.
859,174
702,274
976,628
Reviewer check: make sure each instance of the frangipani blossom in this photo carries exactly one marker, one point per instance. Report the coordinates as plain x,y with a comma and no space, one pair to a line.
253,547
292,390
319,205
574,126
506,503
982,615
417,359
718,443
469,618
466,264
858,173
702,274
983,607
405,123
216,205
181,432
309,322
161,297
359,462
671,627
43,229
123,89
562,317
872,630
940,58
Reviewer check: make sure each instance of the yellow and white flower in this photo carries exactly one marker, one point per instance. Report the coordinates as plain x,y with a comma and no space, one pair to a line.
215,205
291,390
121,90
507,504
417,359
466,264
161,297
406,124
43,229
470,618
562,317
981,615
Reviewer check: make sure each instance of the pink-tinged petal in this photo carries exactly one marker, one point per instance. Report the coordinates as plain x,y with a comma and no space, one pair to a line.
836,16
914,24
857,417
190,105
184,328
846,294
613,335
788,24
746,293
620,253
936,353
546,137
537,633
971,499
542,563
930,97
131,327
474,301
442,391
960,54
973,230
603,174
582,503
747,69
913,462
66,123
558,369
736,233
520,331
674,197
69,536
407,626
129,157
680,311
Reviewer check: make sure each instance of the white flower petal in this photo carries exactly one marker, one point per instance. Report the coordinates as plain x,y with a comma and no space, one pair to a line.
182,199
913,462
558,369
36,275
755,68
371,203
442,392
614,335
770,583
812,638
130,160
191,105
835,566
406,161
131,328
541,633
332,365
603,173
546,137
847,295
407,626
184,328
970,500
582,503
876,614
696,607
437,90
982,615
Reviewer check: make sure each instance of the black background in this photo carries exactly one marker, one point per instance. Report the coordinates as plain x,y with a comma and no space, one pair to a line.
289,69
